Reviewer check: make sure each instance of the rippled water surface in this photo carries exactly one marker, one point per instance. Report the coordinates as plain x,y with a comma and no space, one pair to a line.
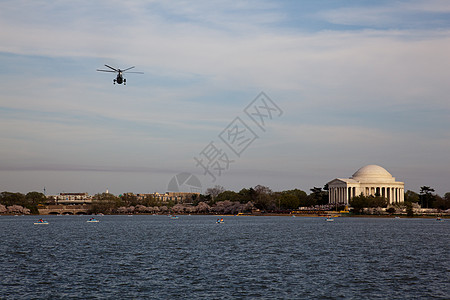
155,257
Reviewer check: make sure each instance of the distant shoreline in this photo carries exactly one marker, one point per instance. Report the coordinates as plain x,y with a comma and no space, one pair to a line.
334,215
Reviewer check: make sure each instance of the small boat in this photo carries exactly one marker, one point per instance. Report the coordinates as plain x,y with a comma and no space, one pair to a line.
329,219
220,221
174,217
439,219
92,220
40,221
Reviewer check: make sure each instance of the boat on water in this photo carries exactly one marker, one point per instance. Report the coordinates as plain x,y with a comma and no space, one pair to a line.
92,220
174,217
220,221
40,221
439,219
329,219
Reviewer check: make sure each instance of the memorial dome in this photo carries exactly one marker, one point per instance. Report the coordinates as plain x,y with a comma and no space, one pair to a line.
372,173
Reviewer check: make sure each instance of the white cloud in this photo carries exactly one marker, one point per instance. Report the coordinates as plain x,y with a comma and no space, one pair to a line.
397,14
386,65
194,53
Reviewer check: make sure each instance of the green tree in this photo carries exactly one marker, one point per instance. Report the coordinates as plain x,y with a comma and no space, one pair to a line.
247,195
447,196
33,199
288,201
129,199
227,195
149,200
426,197
263,199
411,196
105,203
319,196
377,201
409,209
359,203
303,199
441,203
204,198
8,198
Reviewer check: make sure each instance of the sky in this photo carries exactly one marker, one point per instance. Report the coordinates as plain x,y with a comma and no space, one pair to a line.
337,84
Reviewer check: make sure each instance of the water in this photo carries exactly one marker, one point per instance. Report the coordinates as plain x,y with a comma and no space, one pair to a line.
155,257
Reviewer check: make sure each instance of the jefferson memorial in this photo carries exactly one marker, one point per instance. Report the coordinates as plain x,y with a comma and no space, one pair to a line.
369,180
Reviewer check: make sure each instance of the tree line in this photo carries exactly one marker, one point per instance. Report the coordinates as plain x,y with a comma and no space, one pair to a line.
19,203
219,200
424,199
215,199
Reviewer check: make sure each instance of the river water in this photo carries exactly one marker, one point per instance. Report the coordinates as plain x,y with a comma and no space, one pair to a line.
193,257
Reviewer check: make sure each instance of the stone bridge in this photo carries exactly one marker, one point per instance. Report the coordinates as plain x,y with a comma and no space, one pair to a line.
81,209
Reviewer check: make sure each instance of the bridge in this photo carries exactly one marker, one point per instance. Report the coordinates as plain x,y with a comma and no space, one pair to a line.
81,209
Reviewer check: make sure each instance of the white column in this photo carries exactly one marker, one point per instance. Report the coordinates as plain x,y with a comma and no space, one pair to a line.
390,194
346,195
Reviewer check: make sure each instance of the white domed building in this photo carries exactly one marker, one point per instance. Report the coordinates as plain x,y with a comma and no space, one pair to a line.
368,180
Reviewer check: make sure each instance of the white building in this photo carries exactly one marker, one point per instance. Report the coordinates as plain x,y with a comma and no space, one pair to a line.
179,197
71,198
369,180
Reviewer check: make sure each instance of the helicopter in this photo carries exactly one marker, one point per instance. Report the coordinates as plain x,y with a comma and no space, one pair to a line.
119,79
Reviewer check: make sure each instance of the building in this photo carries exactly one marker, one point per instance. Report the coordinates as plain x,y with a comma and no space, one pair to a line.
71,198
371,180
177,197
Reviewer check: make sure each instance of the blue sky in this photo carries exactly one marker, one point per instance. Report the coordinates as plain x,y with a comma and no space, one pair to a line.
358,82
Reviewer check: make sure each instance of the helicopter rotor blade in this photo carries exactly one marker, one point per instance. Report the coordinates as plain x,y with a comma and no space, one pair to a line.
136,72
109,71
128,69
117,70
